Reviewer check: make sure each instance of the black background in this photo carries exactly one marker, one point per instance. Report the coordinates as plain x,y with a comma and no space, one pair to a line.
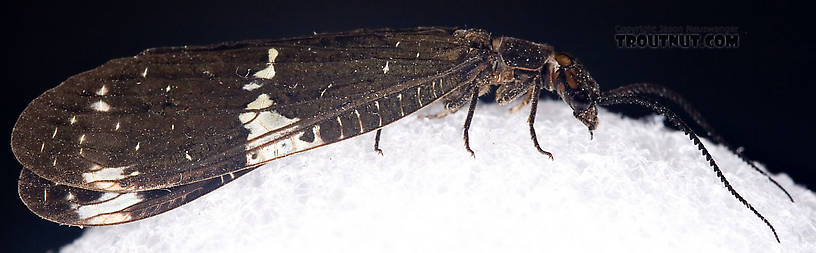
757,96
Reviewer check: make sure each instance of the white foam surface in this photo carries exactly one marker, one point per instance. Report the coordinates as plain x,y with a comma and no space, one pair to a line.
637,187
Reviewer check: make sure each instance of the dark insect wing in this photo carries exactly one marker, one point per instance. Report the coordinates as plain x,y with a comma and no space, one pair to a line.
181,118
69,205
180,115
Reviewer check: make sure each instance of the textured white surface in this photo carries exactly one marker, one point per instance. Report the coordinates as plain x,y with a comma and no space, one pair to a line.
637,187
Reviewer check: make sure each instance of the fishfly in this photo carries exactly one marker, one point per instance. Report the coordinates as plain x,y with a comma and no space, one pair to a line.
141,135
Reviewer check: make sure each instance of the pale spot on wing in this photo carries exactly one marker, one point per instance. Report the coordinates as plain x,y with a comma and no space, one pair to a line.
259,123
327,88
264,122
399,98
106,196
271,133
99,173
340,122
110,186
273,53
269,71
419,96
107,207
102,91
316,131
110,218
379,114
100,106
251,86
284,146
360,121
261,102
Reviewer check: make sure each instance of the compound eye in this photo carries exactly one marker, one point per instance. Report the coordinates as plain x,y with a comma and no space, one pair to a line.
563,59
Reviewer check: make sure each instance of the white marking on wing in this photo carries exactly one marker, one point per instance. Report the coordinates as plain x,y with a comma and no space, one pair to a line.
379,114
106,196
316,132
102,91
110,186
327,88
261,102
100,106
399,97
269,71
110,218
108,209
284,147
263,122
359,120
98,173
419,97
251,86
341,127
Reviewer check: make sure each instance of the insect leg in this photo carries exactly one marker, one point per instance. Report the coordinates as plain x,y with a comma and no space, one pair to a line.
377,142
531,121
473,99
